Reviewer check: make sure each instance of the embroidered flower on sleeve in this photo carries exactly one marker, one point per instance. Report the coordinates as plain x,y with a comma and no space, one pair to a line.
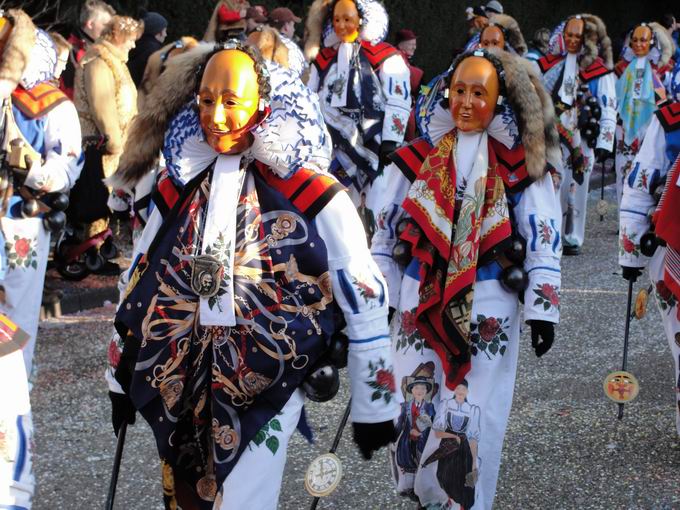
488,335
21,253
627,244
548,296
381,379
398,125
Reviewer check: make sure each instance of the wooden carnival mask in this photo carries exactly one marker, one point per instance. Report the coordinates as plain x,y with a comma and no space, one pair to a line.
473,94
228,101
573,35
492,37
346,21
641,40
5,31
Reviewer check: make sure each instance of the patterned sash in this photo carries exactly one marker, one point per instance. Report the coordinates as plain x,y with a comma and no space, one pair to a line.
454,237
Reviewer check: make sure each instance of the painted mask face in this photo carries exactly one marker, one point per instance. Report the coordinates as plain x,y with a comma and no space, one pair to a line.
228,101
492,37
573,35
473,94
346,21
641,41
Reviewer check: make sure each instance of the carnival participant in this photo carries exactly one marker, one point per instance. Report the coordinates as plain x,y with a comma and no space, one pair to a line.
648,228
363,85
94,16
41,137
469,224
642,70
283,20
406,43
228,20
106,100
578,74
503,32
230,302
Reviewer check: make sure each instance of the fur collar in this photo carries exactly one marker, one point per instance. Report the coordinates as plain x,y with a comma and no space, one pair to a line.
513,34
20,43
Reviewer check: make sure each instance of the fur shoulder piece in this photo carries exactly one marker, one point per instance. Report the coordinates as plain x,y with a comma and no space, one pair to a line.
17,52
596,42
271,46
172,91
513,34
316,17
669,117
534,111
665,44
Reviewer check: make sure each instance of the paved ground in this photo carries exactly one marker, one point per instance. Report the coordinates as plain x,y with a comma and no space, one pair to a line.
564,448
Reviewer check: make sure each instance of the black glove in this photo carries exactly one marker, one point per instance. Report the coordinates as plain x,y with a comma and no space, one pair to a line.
631,273
601,155
370,437
542,336
387,147
122,410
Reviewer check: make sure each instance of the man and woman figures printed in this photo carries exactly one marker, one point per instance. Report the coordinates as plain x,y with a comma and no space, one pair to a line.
452,453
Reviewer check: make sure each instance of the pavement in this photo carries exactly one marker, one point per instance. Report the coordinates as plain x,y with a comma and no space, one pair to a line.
564,447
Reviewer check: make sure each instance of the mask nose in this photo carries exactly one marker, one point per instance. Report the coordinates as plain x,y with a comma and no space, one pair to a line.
219,116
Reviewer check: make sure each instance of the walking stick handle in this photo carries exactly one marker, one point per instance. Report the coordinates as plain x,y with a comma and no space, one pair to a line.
118,457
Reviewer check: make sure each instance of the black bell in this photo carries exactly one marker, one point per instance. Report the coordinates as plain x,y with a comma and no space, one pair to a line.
514,278
648,244
56,201
517,251
593,122
401,253
338,350
402,225
29,208
54,221
596,111
592,101
322,383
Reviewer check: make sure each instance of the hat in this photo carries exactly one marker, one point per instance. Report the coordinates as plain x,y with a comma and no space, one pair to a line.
405,35
282,15
154,23
256,15
494,6
419,379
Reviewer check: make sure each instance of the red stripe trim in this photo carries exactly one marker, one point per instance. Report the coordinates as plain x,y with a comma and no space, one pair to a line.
39,100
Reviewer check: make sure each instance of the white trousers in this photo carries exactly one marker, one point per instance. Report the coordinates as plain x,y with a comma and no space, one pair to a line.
574,199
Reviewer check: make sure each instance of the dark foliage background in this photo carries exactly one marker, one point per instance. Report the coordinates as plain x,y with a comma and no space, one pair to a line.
440,24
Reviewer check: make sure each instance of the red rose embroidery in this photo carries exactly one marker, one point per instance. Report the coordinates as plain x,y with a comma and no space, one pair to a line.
22,247
550,292
663,291
488,329
628,245
114,354
408,322
385,378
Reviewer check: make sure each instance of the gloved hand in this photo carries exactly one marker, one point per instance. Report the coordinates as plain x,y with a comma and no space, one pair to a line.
542,336
387,147
631,273
122,410
602,154
370,437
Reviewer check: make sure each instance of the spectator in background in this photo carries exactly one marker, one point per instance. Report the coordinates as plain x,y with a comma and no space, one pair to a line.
538,46
283,20
671,25
255,18
493,7
155,32
406,44
63,50
228,20
477,20
94,16
106,100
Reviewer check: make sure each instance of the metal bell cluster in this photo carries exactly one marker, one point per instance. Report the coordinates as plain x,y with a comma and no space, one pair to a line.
589,116
53,220
514,278
401,253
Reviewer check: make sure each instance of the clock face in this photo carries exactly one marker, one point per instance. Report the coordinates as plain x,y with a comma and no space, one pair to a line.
323,475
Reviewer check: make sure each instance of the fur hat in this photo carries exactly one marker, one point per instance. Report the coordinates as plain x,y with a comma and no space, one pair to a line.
596,42
269,42
511,31
17,52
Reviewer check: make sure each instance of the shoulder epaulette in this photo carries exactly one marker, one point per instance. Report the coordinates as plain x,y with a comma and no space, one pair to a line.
166,194
512,166
669,116
324,58
594,70
549,61
308,190
378,53
39,100
410,158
